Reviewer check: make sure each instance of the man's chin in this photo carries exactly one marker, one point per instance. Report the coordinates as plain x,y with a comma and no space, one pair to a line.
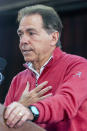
28,59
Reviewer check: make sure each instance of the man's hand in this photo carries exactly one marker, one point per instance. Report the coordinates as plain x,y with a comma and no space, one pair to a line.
34,95
16,114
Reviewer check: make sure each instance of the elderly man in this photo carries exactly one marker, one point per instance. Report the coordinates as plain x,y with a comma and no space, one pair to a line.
47,67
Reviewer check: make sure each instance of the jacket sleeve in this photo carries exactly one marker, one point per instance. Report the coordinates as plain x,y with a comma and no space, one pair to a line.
10,95
68,97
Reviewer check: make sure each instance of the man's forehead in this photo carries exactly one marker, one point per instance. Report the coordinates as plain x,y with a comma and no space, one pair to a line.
27,28
29,22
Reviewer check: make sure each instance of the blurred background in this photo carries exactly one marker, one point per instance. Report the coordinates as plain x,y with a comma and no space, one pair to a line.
73,14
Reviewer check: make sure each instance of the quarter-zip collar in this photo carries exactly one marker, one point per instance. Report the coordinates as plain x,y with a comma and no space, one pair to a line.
30,66
55,56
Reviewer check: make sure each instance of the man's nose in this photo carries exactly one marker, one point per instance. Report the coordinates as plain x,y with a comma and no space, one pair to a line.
24,40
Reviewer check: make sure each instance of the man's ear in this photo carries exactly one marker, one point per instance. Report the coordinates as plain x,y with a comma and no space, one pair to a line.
54,38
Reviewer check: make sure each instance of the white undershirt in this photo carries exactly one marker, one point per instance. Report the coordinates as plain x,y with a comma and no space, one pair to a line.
30,66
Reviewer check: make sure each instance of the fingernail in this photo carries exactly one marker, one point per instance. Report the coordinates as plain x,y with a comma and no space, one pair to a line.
11,126
46,81
7,123
5,116
50,87
50,94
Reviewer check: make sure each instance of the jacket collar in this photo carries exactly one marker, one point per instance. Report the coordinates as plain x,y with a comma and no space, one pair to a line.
56,55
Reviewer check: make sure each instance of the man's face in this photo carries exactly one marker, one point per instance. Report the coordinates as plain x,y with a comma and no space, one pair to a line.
34,40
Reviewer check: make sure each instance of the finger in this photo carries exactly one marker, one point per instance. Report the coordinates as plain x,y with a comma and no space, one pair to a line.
9,109
25,92
39,87
44,97
45,90
21,122
26,89
14,117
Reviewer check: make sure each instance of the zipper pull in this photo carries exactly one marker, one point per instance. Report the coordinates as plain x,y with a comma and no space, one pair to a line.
36,83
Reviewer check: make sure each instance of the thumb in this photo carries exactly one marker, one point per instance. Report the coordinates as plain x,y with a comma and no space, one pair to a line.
24,92
27,88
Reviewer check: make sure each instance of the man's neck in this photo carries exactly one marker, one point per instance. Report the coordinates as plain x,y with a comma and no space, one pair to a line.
38,64
42,60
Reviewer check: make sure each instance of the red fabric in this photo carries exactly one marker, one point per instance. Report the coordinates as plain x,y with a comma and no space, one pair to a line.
66,110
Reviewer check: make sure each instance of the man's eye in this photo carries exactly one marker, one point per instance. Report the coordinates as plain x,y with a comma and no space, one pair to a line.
31,33
19,34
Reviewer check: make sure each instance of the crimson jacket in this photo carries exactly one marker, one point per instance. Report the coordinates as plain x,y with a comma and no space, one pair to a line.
66,110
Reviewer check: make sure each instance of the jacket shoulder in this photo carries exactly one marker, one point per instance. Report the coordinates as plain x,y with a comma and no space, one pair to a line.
23,74
71,58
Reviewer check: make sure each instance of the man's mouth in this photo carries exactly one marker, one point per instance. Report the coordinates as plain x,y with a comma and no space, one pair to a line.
25,52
